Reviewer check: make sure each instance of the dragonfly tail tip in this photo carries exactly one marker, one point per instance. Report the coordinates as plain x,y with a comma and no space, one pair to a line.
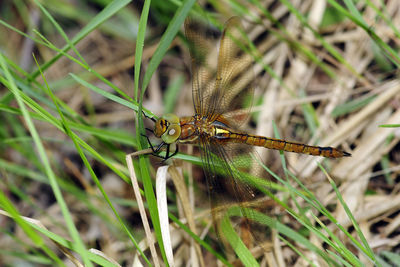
346,154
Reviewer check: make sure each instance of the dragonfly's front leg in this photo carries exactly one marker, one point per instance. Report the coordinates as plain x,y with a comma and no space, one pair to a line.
167,156
157,150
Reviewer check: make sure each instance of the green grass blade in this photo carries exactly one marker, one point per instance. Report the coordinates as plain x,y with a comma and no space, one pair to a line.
166,40
49,172
105,14
90,169
140,45
237,244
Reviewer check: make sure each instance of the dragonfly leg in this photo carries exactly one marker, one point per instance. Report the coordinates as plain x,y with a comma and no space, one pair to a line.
158,148
155,150
144,114
167,155
175,152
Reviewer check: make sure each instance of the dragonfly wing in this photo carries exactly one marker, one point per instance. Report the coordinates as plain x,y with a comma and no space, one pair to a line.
234,82
224,85
223,175
203,74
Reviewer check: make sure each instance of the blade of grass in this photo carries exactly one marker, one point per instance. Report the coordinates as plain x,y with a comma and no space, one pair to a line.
139,200
263,219
358,20
198,240
390,125
55,122
161,184
365,248
36,238
90,169
112,135
303,218
394,258
85,66
140,45
382,15
317,205
104,15
49,172
60,30
143,161
166,40
60,241
171,94
327,46
237,244
297,251
352,105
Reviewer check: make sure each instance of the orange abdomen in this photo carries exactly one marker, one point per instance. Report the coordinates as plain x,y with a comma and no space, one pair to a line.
279,144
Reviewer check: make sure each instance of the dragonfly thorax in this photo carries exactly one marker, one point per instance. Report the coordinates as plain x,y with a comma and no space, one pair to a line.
194,127
168,128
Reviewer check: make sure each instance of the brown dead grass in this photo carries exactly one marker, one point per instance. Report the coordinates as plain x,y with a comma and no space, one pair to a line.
369,188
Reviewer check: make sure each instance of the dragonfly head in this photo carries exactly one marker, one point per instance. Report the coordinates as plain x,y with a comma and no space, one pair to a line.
168,128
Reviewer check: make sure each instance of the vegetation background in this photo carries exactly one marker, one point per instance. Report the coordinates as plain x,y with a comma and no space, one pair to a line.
72,74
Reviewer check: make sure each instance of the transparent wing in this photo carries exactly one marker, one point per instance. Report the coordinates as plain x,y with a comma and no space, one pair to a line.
228,86
218,91
226,185
202,72
234,82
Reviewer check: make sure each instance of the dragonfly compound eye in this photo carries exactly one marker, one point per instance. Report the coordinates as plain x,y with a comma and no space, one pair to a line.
160,127
171,128
172,134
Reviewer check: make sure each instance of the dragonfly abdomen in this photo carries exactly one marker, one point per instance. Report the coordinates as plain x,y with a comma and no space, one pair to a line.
283,145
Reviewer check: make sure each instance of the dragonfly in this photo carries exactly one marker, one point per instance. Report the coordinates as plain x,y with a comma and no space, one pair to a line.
217,92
